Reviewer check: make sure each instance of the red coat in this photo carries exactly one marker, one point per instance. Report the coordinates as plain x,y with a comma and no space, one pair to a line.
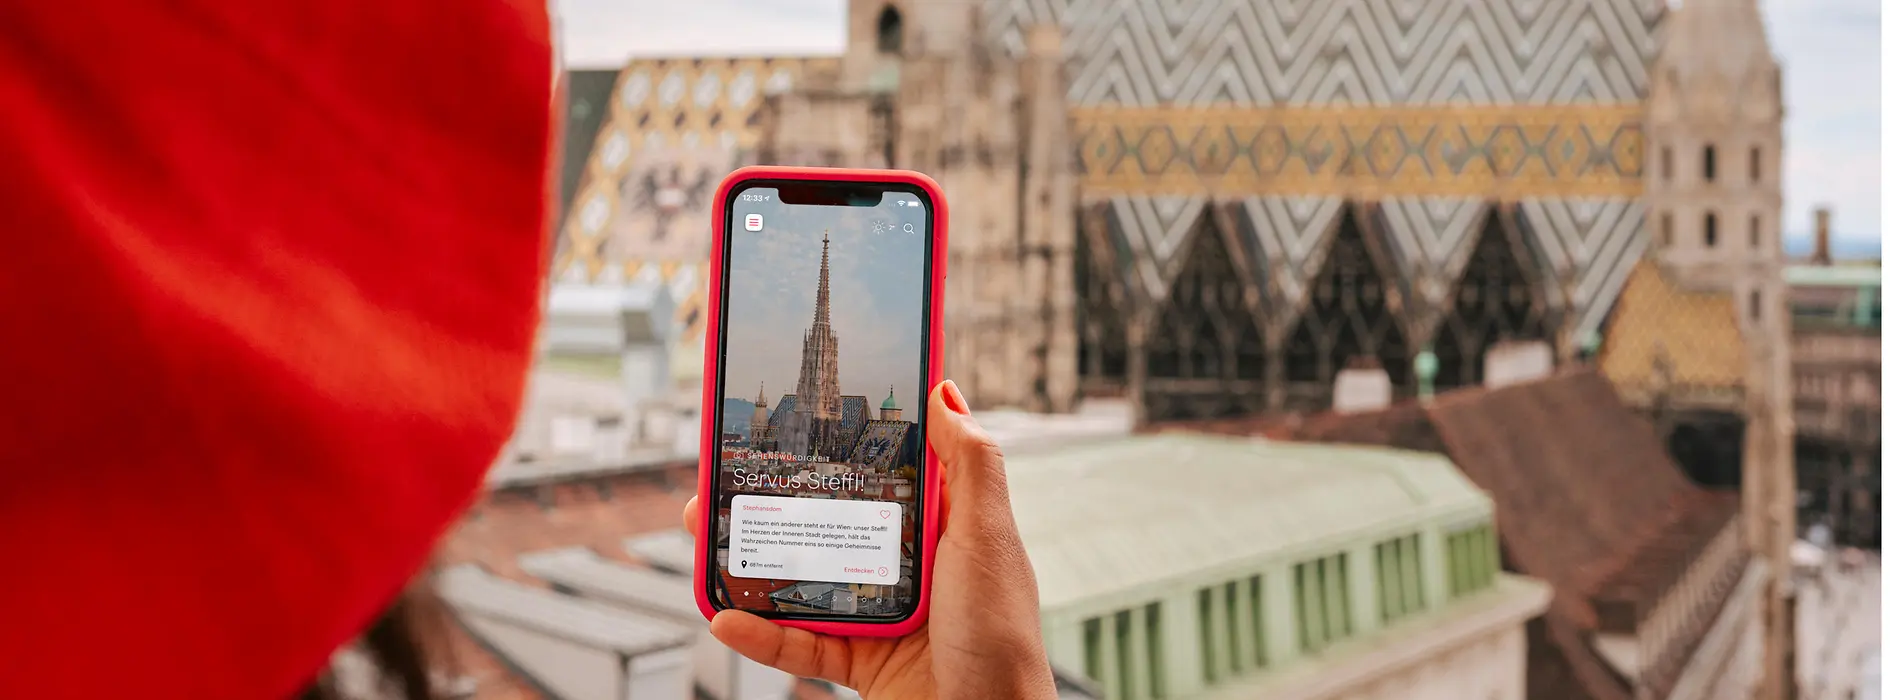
269,274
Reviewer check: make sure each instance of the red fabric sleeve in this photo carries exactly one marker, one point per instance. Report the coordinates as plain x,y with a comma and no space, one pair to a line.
270,278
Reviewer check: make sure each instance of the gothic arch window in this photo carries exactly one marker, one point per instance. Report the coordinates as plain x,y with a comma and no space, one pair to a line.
1206,357
1752,305
1752,233
891,37
1666,229
1708,163
1493,302
1348,316
1102,310
1757,174
1712,229
1666,163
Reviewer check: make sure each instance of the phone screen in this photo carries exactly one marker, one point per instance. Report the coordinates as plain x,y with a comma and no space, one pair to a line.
822,375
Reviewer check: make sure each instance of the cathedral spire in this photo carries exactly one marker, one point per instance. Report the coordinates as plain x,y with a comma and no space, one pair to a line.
822,314
761,395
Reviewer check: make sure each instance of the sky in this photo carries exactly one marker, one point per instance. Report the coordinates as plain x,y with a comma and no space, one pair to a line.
876,286
1831,51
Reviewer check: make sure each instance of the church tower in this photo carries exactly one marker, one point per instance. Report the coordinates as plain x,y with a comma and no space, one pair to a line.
817,395
760,436
889,409
1713,197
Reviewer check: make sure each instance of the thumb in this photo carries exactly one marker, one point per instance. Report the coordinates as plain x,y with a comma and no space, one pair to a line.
975,484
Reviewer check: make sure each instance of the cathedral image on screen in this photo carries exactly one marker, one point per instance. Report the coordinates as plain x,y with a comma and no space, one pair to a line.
820,427
818,421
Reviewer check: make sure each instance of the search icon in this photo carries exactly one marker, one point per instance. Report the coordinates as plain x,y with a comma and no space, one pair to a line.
908,228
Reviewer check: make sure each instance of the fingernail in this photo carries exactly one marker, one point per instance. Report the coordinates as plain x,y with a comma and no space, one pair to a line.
954,400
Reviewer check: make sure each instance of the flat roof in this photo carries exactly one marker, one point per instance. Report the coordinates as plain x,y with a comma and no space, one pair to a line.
592,576
514,474
1834,275
1124,520
674,550
473,591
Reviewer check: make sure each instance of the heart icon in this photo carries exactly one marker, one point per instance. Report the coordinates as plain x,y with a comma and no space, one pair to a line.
882,571
884,514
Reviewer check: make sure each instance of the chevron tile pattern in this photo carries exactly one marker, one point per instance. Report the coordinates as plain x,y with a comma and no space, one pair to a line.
1590,246
1155,229
1431,238
1289,237
1432,109
1354,52
1506,152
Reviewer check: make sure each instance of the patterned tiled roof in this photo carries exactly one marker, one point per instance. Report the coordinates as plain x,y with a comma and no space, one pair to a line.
670,129
782,409
1666,337
670,122
587,103
852,413
885,441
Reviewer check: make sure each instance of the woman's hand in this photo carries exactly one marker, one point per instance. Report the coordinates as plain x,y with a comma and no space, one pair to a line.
983,638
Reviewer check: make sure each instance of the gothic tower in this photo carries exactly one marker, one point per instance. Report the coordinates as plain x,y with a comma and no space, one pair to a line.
993,129
1714,129
760,436
817,395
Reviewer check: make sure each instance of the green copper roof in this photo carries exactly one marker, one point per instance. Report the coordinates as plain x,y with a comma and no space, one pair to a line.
1139,517
888,403
1834,275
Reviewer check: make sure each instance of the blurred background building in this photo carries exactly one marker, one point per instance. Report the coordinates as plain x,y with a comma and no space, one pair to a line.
1539,239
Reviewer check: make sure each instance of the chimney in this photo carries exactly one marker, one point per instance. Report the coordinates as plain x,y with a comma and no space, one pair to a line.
1516,362
1363,386
1821,236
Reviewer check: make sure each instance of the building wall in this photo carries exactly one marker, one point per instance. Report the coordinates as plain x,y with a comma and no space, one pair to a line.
1837,378
1489,667
1232,631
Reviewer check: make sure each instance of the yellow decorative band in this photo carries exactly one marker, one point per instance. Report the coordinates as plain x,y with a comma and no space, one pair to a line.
1499,152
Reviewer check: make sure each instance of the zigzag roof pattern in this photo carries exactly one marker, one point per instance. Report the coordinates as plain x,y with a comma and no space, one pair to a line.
1360,52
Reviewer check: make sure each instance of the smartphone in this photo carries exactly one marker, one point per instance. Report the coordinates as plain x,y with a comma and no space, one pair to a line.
818,489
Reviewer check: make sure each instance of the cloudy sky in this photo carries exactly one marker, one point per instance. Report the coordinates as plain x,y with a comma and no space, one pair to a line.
1831,50
876,286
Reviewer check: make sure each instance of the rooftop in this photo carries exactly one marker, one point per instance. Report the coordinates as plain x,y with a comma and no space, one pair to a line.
580,569
1834,275
1119,518
1554,455
482,596
1664,337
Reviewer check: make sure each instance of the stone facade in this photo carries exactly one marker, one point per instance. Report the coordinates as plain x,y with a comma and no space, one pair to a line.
1716,124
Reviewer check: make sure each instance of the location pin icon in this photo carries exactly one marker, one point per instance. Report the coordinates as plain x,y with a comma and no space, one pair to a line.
744,563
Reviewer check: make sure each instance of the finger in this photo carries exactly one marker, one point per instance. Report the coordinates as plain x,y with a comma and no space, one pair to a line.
691,515
973,464
795,651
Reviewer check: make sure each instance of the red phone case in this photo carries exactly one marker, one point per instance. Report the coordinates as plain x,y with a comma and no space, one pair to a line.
711,402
